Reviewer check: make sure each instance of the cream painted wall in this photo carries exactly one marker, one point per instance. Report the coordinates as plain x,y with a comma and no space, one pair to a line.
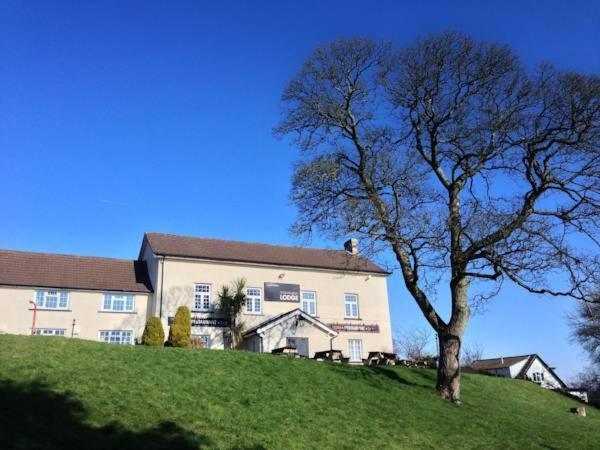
84,307
180,276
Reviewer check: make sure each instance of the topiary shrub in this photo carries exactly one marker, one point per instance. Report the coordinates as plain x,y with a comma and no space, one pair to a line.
153,332
180,332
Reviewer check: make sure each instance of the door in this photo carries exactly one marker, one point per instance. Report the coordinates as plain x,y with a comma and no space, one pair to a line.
301,345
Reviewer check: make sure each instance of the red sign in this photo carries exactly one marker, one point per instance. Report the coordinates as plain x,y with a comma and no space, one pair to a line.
354,327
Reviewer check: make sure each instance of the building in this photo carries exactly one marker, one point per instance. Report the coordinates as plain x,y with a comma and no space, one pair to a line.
309,298
527,367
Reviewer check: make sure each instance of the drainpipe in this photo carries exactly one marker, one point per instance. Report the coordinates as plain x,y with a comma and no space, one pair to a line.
331,342
34,316
162,277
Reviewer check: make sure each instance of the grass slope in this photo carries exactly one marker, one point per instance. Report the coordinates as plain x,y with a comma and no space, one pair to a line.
61,393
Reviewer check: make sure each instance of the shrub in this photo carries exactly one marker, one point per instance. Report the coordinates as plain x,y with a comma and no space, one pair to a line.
180,332
153,332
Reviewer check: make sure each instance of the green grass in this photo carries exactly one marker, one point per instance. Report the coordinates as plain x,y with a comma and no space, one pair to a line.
61,393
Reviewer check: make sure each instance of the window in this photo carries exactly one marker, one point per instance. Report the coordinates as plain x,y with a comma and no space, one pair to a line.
52,299
116,337
355,349
50,331
205,338
538,377
118,302
351,304
202,297
309,302
253,300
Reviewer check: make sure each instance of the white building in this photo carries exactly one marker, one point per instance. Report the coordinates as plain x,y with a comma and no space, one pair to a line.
312,299
527,367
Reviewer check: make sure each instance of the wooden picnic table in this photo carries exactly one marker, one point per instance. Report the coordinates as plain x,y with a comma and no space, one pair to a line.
381,359
331,355
288,350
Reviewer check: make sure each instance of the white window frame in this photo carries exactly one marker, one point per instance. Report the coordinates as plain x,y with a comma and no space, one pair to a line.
50,331
204,337
113,298
254,303
201,295
352,351
109,336
43,296
350,304
309,302
538,377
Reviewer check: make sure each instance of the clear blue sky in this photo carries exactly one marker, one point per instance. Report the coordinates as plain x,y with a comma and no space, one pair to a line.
123,117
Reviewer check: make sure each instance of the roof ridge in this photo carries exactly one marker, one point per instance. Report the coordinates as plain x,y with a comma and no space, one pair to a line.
235,241
499,357
25,252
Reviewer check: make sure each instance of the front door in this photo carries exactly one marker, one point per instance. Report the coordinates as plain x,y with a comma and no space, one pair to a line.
301,345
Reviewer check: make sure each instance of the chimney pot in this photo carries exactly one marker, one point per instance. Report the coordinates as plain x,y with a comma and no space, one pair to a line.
351,246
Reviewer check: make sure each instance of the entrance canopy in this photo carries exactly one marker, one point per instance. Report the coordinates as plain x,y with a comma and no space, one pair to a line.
296,314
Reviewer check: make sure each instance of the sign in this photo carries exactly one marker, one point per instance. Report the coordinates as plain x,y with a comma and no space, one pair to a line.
354,327
278,292
205,322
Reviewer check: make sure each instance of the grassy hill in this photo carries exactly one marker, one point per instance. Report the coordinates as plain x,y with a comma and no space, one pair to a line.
61,393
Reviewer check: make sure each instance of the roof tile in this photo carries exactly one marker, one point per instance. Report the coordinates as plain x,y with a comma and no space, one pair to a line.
73,272
222,250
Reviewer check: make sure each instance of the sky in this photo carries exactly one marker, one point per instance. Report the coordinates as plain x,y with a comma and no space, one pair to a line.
118,118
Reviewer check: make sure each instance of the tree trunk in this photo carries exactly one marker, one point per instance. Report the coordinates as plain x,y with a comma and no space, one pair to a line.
448,373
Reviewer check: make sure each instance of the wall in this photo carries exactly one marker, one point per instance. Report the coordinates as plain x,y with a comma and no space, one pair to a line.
180,276
550,381
84,307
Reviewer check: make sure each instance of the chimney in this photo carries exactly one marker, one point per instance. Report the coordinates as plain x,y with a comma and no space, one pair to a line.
502,360
351,246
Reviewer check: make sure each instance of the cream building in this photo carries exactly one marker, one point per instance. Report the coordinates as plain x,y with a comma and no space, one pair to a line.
311,299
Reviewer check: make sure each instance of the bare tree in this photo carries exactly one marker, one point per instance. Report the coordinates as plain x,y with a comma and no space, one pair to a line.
586,328
449,153
589,380
470,354
412,344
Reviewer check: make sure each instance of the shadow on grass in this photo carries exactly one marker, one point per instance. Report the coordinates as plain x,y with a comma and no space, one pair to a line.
32,416
378,376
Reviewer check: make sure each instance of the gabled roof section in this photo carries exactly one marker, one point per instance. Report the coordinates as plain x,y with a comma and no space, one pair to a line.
276,320
523,372
498,363
246,252
72,272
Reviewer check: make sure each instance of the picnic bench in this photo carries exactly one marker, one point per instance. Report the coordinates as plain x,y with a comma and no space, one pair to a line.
380,359
289,351
331,355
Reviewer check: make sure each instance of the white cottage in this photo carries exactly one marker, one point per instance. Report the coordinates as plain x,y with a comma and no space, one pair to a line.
527,367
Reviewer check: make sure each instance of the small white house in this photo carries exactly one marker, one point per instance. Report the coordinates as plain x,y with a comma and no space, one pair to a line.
527,367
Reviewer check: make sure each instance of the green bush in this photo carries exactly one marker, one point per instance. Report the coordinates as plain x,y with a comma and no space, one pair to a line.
153,332
180,332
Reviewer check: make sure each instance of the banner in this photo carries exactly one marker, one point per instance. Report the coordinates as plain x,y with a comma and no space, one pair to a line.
205,322
354,327
278,292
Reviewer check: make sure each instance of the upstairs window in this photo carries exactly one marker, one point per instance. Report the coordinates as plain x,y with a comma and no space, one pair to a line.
253,301
309,302
118,302
538,377
202,297
52,299
351,306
